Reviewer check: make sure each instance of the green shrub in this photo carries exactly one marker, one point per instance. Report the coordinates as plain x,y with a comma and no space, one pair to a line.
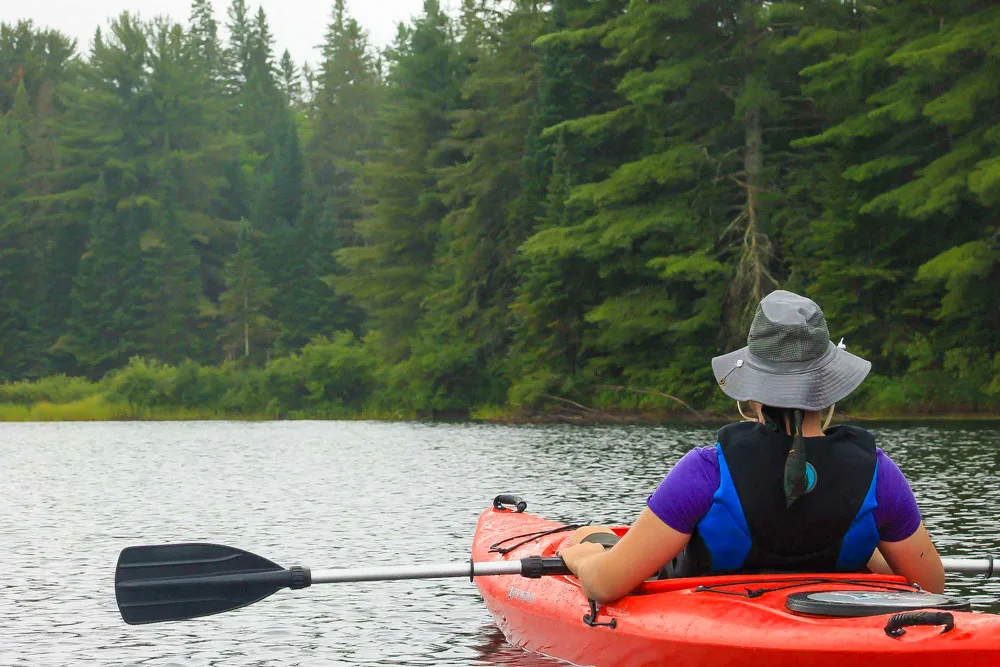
196,386
55,389
327,373
142,383
247,392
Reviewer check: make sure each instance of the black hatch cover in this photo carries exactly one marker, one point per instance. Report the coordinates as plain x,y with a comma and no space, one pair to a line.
870,603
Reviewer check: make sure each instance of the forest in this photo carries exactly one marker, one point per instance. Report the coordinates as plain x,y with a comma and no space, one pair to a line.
517,208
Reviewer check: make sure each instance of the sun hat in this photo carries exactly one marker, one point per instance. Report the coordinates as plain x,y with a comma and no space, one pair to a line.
789,360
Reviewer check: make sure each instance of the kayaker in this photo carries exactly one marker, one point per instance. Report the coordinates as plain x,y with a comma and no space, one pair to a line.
778,492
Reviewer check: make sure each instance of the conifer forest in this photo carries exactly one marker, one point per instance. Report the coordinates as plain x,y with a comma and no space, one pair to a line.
518,206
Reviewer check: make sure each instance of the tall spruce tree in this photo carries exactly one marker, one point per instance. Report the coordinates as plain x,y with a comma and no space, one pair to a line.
204,39
557,283
389,270
245,306
343,113
465,332
15,304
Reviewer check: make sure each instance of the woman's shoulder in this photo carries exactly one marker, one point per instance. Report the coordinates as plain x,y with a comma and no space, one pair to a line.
704,455
700,462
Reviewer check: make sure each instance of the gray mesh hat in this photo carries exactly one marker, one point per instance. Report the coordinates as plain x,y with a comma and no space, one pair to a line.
789,360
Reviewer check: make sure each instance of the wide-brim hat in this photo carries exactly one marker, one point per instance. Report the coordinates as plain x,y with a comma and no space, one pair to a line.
789,360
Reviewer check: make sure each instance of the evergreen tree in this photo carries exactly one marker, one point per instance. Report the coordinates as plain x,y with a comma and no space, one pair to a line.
109,309
245,305
344,108
238,53
15,320
33,56
389,270
204,39
466,330
290,80
557,283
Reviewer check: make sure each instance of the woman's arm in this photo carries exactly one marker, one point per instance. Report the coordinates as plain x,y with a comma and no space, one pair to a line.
609,575
916,559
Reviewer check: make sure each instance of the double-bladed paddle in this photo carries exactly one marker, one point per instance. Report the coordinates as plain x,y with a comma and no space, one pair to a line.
175,582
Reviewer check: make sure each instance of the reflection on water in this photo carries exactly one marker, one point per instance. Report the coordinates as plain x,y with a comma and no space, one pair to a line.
330,494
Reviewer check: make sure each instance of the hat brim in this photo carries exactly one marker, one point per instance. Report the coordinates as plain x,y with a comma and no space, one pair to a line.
807,386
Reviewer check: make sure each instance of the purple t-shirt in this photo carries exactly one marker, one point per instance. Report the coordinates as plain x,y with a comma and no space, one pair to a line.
684,497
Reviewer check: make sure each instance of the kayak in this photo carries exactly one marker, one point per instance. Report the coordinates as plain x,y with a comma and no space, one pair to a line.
778,620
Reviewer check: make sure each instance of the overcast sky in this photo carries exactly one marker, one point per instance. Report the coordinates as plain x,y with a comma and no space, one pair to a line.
298,25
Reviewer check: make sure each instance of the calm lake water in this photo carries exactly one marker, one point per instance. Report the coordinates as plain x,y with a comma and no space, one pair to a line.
328,494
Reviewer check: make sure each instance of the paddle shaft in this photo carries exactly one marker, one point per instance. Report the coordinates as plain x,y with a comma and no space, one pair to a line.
397,572
985,566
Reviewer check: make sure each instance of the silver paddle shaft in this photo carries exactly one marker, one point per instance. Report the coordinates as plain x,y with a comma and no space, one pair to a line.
394,572
986,566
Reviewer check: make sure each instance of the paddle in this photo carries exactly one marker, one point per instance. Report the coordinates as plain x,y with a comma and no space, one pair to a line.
174,582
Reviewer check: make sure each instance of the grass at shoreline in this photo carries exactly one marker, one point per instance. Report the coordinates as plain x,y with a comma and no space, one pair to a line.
99,409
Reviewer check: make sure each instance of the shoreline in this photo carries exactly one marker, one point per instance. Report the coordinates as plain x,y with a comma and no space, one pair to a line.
112,412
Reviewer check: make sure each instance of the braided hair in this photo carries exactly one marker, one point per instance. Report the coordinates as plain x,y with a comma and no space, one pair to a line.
796,480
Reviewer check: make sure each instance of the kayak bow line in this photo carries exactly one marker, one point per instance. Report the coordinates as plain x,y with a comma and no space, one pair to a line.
175,582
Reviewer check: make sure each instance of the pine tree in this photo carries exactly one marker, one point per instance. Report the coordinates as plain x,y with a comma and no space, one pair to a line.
174,293
466,330
344,108
15,318
245,305
389,270
204,39
237,55
33,62
109,309
290,79
557,282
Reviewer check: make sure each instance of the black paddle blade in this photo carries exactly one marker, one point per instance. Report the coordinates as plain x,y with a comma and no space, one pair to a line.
173,582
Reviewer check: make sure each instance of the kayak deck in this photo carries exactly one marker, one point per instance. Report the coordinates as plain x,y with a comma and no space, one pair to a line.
709,621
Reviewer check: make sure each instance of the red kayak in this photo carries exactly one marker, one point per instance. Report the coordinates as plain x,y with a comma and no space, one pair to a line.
798,620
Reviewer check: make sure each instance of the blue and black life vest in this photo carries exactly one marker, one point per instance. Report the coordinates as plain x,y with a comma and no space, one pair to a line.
749,528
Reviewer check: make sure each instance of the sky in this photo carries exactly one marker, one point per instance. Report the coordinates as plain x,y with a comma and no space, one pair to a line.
298,25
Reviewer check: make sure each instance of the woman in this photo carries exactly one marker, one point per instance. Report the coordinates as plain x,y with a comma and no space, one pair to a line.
778,492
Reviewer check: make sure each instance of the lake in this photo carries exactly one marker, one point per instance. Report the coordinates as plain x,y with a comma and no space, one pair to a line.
330,494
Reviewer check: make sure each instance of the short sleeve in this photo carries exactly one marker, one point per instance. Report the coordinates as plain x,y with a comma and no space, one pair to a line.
685,494
897,515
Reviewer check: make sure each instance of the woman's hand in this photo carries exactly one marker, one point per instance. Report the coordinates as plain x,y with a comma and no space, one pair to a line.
575,555
645,548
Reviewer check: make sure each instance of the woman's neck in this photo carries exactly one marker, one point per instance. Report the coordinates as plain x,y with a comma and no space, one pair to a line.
812,423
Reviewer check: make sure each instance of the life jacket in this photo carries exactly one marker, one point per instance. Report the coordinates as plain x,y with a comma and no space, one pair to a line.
749,528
